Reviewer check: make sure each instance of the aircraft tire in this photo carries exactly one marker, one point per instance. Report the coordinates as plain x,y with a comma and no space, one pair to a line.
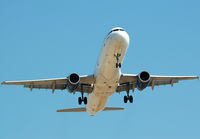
131,99
119,65
125,99
79,100
85,100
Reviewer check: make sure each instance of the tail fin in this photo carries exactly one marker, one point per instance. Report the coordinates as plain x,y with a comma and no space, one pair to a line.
84,109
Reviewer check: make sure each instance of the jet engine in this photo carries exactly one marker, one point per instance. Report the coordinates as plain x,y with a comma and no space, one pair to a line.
73,82
143,80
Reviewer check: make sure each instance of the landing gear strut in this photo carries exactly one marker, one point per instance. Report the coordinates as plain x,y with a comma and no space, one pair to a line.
82,99
128,97
118,65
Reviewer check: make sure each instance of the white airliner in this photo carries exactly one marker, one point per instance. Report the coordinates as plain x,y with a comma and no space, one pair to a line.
106,80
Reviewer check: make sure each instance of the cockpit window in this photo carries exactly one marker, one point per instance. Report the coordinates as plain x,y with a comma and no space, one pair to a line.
118,29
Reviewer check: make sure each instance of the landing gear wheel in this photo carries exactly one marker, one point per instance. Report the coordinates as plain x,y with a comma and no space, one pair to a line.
125,99
116,65
79,100
85,100
119,65
131,99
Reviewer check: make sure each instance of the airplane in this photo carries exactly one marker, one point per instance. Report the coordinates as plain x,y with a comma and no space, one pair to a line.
106,80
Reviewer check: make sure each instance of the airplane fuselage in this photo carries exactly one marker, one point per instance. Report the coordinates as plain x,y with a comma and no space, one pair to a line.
107,73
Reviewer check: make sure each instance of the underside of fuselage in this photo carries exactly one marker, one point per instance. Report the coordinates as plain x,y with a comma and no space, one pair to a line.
108,72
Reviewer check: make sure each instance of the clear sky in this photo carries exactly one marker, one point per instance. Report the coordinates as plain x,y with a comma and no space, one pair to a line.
49,39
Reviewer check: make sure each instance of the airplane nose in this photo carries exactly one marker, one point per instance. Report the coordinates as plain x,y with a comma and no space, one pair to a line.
120,37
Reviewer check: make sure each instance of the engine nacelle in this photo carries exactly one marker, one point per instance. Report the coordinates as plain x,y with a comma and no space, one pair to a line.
143,80
73,82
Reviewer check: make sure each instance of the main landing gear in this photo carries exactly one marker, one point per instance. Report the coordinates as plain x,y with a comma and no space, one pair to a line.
82,99
118,65
128,97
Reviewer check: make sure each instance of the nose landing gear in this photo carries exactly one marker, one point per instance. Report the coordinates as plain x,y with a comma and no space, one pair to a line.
118,65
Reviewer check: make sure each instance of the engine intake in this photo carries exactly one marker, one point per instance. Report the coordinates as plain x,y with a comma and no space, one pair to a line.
73,82
143,80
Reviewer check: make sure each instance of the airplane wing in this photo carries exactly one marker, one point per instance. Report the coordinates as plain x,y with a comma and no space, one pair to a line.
129,81
56,83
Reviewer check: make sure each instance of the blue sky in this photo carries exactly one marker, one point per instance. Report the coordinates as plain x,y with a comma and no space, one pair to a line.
49,39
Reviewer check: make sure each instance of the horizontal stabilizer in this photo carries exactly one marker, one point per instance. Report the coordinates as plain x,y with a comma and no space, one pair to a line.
112,109
84,109
73,110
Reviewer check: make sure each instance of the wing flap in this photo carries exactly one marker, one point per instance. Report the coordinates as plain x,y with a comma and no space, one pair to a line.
157,83
84,88
47,86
